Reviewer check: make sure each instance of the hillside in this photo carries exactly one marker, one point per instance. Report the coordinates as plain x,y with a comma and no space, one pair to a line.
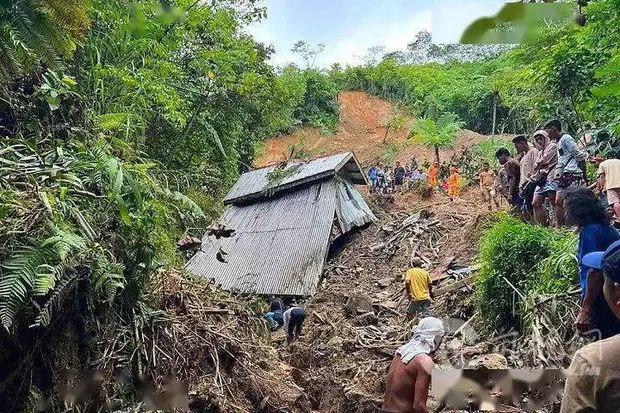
362,127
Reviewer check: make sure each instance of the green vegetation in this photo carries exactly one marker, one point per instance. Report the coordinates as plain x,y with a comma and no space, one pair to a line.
439,132
529,258
570,72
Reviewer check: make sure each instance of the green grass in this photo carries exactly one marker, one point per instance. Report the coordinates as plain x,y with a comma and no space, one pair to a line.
534,259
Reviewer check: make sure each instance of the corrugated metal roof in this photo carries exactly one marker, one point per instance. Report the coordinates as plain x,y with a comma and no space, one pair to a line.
353,209
280,244
255,184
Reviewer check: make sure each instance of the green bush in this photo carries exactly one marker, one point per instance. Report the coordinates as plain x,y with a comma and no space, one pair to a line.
534,259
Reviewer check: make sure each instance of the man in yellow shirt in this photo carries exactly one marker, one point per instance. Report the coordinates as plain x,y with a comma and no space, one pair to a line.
418,289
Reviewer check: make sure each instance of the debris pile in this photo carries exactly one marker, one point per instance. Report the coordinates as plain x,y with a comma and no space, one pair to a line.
357,319
204,349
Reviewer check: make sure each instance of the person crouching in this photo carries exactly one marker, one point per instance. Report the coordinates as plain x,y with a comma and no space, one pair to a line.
409,377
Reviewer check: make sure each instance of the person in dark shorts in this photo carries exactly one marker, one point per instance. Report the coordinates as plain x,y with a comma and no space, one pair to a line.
293,320
399,176
418,288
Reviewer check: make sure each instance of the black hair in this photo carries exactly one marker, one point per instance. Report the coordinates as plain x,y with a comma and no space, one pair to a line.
554,123
519,138
583,207
502,152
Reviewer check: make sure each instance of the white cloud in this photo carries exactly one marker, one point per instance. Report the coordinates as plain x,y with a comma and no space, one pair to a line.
450,18
350,47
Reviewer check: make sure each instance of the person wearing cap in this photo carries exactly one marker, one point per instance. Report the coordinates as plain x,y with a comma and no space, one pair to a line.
593,379
608,181
570,169
409,377
545,186
584,210
527,158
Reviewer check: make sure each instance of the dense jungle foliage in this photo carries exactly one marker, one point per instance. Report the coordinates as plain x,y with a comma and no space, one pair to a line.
519,260
570,73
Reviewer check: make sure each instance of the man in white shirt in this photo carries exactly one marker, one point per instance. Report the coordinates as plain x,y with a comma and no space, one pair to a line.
293,319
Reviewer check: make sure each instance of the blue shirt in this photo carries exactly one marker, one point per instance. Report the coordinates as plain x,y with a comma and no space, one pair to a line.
593,237
372,173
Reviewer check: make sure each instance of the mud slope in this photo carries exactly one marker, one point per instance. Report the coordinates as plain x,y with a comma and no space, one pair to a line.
362,127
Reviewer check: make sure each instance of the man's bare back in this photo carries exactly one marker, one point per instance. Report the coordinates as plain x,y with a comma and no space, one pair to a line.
408,384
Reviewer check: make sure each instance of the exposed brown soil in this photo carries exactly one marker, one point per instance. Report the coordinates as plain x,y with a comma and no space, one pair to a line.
356,320
362,128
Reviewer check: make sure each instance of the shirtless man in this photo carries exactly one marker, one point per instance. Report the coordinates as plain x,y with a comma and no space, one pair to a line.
409,377
487,186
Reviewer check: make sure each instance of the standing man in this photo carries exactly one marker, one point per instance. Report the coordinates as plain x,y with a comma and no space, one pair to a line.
372,176
570,170
592,383
527,158
513,174
584,210
454,183
409,377
433,173
414,163
608,180
546,187
399,176
293,319
487,186
418,289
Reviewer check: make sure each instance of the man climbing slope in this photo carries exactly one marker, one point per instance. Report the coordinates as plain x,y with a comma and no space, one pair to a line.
418,289
409,377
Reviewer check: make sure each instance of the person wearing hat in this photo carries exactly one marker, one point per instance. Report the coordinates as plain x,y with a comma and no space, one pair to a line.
593,379
570,169
608,181
584,210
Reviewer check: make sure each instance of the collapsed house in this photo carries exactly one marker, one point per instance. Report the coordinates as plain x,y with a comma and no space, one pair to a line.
285,218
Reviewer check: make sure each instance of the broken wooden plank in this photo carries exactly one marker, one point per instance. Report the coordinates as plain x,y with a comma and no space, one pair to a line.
465,282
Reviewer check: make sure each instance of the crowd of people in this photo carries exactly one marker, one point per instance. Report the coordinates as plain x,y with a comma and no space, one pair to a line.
386,180
549,174
536,181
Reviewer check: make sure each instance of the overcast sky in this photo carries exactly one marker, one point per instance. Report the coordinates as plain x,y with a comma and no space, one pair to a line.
348,28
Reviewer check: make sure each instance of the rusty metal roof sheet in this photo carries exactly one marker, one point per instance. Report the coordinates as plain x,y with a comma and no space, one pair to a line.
255,184
280,245
353,211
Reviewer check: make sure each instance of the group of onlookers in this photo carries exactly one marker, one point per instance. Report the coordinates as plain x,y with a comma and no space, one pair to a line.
386,180
536,181
389,180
